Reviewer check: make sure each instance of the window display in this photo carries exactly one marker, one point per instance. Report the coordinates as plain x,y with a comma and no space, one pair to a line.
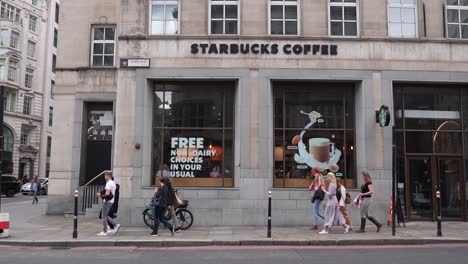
192,133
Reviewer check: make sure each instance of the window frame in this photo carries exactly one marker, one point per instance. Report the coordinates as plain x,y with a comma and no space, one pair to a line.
16,42
33,49
32,23
357,4
224,3
51,116
29,78
402,6
459,8
164,3
104,41
284,3
27,108
15,67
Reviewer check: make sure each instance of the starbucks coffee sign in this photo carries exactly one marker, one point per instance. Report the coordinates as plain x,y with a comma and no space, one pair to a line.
263,49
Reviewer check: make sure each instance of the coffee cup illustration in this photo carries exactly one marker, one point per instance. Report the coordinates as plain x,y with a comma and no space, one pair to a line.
321,149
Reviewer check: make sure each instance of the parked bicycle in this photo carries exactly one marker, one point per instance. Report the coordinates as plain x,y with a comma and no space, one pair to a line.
184,216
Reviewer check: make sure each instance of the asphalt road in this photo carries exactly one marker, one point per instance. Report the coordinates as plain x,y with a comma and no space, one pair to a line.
446,254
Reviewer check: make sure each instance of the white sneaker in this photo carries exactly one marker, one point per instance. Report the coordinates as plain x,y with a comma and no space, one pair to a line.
323,232
102,234
110,231
116,228
346,230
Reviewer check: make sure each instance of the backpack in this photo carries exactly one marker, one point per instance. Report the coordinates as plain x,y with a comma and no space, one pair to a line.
347,198
338,195
318,195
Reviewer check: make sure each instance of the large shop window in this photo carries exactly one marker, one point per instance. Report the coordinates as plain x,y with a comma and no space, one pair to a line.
314,127
402,18
224,17
457,19
193,133
164,17
344,18
284,17
7,159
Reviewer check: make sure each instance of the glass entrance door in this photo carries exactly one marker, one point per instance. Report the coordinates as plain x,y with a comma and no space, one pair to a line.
449,180
426,175
419,193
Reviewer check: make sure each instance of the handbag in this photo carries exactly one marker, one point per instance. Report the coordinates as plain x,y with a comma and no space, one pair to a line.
347,198
318,195
178,199
155,200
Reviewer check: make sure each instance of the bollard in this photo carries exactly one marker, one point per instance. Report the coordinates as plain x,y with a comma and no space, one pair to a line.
439,215
269,215
75,217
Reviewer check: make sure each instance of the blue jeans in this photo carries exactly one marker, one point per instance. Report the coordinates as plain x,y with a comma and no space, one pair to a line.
316,208
159,216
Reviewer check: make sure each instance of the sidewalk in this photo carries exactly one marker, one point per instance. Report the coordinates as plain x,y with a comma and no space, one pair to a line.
56,231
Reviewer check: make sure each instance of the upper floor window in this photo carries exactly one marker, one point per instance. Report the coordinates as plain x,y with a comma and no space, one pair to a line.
31,49
284,17
103,46
2,69
9,101
32,23
457,19
12,70
52,89
224,17
164,17
28,78
55,38
57,13
343,18
4,37
14,38
27,105
402,18
51,116
10,12
54,63
34,2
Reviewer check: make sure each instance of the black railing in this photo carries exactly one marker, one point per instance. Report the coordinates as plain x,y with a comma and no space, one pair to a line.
89,190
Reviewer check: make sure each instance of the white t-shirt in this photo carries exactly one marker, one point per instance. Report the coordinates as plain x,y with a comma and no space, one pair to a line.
110,185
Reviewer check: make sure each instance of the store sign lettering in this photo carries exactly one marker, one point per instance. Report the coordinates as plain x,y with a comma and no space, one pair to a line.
187,156
264,49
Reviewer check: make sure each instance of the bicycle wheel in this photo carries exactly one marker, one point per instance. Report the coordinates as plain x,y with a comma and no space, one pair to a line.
148,218
184,218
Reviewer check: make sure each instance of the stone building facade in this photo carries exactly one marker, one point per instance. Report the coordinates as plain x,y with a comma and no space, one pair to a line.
214,94
26,72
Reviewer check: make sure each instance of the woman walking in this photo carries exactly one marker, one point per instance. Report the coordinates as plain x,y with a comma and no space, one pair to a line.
160,201
317,198
367,190
333,216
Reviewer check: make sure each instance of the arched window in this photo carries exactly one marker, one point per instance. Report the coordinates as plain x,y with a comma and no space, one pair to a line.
8,140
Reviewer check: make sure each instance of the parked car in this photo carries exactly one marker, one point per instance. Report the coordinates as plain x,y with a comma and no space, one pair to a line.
26,188
10,186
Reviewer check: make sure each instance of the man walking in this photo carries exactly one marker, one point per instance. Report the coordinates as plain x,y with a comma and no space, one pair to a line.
35,188
107,201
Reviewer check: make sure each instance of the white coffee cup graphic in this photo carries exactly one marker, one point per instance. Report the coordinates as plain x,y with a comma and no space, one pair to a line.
321,149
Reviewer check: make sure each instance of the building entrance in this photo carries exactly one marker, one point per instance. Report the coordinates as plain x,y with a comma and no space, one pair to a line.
425,176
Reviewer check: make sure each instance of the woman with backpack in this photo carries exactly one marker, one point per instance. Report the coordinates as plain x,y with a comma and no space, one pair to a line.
345,199
333,216
317,198
160,201
367,190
